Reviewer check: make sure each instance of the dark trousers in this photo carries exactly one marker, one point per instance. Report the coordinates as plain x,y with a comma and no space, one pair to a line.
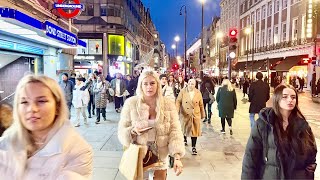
301,87
118,102
223,122
103,111
91,102
69,107
207,110
193,141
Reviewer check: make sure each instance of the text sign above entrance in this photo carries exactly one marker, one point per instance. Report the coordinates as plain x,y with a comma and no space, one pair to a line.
60,34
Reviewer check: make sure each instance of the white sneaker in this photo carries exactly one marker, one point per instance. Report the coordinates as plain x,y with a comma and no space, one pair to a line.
77,125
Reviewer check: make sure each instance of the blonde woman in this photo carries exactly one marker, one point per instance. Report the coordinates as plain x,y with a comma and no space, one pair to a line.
149,109
227,103
41,143
190,105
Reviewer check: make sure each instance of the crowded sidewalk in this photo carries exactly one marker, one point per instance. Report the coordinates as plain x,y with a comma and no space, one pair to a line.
219,155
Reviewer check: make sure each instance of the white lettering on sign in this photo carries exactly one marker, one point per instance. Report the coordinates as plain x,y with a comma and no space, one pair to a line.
71,39
61,35
51,30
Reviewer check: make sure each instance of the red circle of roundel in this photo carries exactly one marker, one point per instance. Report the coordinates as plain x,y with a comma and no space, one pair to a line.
69,15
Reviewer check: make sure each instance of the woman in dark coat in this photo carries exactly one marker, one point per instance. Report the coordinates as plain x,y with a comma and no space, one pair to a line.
281,144
227,103
207,88
245,87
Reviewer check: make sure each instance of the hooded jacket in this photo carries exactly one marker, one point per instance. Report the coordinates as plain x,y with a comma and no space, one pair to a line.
262,158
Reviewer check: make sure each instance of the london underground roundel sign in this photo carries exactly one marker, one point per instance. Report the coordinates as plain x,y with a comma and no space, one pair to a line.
75,8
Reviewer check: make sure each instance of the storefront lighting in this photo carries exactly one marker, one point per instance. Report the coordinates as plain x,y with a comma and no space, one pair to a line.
309,35
120,58
84,57
310,21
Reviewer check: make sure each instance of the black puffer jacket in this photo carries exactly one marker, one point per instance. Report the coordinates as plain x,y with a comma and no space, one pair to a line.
262,158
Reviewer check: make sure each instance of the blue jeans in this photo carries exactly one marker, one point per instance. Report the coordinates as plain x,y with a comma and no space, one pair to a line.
252,120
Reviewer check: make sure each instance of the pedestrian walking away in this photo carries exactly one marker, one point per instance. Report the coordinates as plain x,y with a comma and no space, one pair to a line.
41,143
281,144
67,87
150,110
227,103
80,101
191,110
208,91
259,94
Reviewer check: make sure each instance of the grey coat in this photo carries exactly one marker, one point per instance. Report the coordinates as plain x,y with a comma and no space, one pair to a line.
101,95
67,88
262,158
227,102
122,86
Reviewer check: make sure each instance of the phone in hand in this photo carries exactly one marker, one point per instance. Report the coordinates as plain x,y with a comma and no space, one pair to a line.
145,129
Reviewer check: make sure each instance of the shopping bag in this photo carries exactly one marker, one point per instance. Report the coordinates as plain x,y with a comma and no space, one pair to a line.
129,164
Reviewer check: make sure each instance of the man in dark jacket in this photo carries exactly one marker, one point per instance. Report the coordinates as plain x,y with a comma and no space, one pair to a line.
259,94
67,87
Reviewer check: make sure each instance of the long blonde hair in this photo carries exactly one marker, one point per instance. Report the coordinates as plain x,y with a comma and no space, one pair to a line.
18,136
227,83
159,97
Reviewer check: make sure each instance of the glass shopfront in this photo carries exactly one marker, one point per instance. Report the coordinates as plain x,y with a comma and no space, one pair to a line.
116,45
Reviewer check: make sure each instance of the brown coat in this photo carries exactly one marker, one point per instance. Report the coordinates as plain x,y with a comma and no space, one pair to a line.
191,112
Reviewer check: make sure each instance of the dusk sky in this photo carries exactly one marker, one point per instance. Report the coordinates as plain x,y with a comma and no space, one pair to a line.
166,17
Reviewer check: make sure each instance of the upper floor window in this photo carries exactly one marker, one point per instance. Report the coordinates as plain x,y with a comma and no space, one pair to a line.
270,9
103,9
264,11
258,15
284,4
277,6
284,32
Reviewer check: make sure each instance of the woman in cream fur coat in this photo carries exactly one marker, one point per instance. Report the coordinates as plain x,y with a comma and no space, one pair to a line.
150,109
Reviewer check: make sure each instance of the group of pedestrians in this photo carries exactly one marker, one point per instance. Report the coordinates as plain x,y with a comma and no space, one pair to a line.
41,142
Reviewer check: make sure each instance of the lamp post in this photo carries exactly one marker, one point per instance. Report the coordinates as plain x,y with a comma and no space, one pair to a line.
185,40
219,36
201,49
247,32
177,39
252,52
173,47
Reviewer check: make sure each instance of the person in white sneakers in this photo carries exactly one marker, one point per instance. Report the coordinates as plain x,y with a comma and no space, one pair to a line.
80,100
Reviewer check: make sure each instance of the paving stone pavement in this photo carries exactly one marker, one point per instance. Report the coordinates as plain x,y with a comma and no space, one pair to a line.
219,156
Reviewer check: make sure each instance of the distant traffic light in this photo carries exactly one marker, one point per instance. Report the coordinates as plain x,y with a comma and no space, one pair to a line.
233,43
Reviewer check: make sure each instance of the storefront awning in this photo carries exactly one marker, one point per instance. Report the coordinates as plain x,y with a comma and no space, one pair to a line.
257,65
240,66
289,62
272,64
16,23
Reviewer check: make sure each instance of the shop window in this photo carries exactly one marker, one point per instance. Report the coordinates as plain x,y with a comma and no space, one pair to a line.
103,10
129,49
95,46
116,44
90,9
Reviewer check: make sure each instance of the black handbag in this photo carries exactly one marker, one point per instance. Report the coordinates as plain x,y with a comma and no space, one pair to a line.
171,161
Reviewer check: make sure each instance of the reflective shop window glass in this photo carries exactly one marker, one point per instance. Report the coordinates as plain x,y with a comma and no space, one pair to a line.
129,49
95,46
103,10
81,50
114,11
116,45
90,9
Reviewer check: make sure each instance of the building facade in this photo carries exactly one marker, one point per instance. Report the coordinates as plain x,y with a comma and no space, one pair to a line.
229,19
123,31
30,42
281,37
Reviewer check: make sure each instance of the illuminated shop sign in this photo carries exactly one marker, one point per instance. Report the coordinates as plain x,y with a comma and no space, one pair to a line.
20,47
75,8
60,34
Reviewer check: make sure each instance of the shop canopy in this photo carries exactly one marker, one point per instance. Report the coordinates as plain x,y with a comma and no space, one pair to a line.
257,65
272,64
240,66
16,23
289,62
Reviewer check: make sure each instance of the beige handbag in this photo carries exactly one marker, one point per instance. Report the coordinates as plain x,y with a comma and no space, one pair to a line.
130,167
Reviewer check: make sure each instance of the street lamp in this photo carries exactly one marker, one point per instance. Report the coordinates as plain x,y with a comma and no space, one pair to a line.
173,47
219,37
177,39
201,49
247,32
185,39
